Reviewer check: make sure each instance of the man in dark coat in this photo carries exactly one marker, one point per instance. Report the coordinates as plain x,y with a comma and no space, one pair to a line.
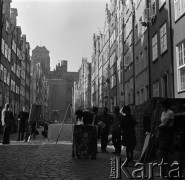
6,118
128,127
116,130
105,121
22,121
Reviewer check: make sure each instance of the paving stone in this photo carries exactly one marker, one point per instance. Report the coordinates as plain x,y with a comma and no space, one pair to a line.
50,161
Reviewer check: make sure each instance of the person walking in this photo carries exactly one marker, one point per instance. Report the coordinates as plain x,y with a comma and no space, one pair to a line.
116,130
22,121
128,128
105,121
6,119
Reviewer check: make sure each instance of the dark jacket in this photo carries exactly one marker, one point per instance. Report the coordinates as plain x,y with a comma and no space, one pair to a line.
107,119
23,116
117,123
128,128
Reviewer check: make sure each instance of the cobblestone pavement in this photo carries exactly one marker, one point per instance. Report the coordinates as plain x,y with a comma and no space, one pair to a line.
40,159
43,160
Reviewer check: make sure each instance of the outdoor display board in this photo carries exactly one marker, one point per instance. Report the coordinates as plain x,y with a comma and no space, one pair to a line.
35,112
84,141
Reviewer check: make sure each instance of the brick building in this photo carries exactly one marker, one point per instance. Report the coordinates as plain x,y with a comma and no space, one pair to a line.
60,83
15,77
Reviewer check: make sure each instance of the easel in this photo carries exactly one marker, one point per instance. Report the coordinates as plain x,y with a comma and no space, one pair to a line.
148,143
32,115
70,105
151,143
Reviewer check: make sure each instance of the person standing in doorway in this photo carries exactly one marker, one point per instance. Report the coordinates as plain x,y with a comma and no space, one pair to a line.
22,121
6,119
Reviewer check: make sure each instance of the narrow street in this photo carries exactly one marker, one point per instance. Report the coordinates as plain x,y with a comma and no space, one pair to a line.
40,159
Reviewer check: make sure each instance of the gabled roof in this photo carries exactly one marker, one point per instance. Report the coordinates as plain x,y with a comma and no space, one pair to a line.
39,48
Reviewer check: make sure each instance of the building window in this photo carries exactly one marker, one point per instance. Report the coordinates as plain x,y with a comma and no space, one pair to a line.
9,54
156,89
7,25
163,37
2,73
154,47
14,46
161,3
181,66
6,51
3,46
113,81
179,8
5,75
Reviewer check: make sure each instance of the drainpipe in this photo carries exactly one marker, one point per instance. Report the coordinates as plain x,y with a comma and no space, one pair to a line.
147,24
172,54
133,48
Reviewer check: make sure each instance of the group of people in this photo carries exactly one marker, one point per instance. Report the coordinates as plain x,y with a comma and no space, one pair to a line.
121,125
7,120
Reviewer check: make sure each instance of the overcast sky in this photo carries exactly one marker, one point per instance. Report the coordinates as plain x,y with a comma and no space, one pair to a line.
65,27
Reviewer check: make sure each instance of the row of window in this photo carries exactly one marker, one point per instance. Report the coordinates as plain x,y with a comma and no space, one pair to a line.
163,42
128,57
5,49
4,75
